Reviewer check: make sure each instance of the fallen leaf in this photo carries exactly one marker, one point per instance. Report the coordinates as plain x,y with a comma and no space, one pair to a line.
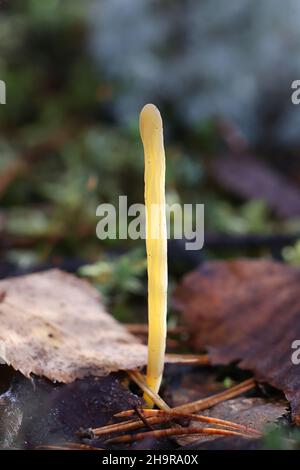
256,413
251,178
247,311
37,412
54,325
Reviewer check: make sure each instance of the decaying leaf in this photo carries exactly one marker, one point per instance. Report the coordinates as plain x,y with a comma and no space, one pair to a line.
251,178
36,412
247,311
256,413
53,324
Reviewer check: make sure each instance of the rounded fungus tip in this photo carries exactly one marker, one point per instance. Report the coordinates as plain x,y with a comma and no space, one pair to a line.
150,121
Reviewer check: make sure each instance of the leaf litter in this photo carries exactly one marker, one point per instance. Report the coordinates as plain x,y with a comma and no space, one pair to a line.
54,325
246,312
45,335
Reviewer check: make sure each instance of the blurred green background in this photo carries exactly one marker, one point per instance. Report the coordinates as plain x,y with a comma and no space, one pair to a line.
65,147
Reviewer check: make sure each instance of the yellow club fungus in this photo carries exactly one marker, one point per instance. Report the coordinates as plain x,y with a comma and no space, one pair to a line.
151,130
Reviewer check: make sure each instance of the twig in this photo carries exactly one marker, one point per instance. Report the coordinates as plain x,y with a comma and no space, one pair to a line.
232,241
227,241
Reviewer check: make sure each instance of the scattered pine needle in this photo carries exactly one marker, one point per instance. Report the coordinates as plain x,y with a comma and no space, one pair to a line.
213,400
169,415
138,378
129,425
174,431
68,446
142,416
142,329
199,359
188,408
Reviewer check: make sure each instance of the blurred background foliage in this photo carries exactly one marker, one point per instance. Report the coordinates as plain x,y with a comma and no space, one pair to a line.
282,438
65,146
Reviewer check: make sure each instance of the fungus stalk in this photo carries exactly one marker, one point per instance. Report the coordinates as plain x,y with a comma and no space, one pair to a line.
151,130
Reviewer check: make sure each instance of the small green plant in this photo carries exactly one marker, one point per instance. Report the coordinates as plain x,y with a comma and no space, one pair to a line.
291,254
118,277
251,217
281,438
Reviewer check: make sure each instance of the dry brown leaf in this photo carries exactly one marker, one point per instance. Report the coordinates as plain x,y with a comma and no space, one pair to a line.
53,324
255,413
247,311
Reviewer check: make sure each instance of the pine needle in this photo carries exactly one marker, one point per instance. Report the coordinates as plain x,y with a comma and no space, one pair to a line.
174,431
